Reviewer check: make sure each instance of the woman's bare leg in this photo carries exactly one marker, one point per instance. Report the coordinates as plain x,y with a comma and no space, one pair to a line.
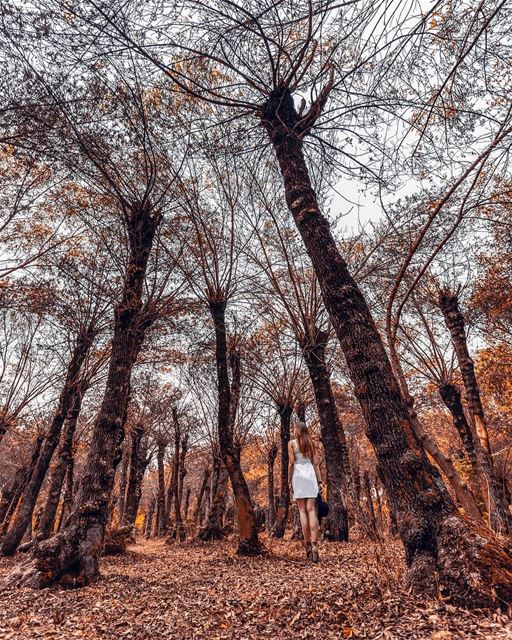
313,524
304,519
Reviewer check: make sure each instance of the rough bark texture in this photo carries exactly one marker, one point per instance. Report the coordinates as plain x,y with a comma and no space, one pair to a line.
73,554
492,488
427,518
285,416
454,319
451,396
178,530
248,543
161,524
372,529
123,478
333,437
67,500
213,528
137,468
14,535
271,498
200,496
12,494
64,458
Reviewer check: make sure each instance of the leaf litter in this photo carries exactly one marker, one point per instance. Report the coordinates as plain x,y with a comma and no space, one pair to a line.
204,591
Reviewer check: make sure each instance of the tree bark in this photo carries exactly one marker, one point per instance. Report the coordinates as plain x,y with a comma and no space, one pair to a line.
70,389
123,478
200,496
67,501
178,530
492,488
451,396
285,416
248,543
73,554
137,468
11,496
161,524
213,528
64,457
271,498
333,437
454,319
429,523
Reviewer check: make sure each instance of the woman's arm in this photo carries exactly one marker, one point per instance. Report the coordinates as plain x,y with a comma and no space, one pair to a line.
317,469
291,462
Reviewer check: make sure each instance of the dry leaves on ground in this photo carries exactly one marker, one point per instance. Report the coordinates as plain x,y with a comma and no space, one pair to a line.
196,591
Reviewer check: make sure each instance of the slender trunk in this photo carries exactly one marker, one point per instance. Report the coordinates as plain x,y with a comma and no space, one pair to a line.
429,523
454,319
161,524
64,456
123,477
213,528
67,501
73,554
200,496
271,498
23,518
463,494
285,416
178,530
187,502
372,529
451,397
492,488
136,470
333,437
148,519
12,495
248,543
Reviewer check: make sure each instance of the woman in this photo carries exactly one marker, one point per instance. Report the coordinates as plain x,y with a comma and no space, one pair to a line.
304,478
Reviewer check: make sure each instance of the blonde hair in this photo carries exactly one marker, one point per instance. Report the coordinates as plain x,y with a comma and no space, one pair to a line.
304,440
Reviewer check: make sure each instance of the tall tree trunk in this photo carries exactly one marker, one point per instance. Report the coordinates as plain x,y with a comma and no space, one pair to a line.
137,468
123,478
463,495
333,437
429,523
492,487
285,416
67,501
213,528
73,554
148,520
64,457
451,397
248,543
271,498
200,495
372,530
23,518
454,319
161,524
11,496
178,530
188,492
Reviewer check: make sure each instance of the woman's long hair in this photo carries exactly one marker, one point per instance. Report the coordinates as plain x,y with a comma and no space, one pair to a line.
304,440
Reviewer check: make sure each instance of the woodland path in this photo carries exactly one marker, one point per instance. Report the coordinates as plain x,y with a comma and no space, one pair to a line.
204,591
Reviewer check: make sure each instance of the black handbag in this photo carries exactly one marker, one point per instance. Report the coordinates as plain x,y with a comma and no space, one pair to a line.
322,507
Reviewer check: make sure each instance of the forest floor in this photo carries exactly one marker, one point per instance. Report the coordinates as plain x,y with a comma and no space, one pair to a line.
204,591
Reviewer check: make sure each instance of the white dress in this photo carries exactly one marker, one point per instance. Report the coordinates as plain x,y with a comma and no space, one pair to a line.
304,480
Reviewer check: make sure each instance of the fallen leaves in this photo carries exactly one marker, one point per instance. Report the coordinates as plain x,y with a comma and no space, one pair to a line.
203,591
